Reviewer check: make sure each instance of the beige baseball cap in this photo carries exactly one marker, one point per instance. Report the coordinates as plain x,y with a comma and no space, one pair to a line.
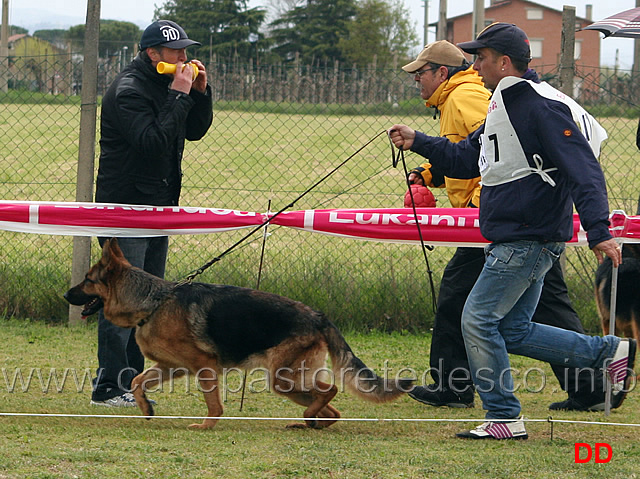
441,52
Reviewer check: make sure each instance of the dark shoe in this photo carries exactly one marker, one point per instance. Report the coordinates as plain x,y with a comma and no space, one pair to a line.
620,372
591,404
497,430
433,396
573,404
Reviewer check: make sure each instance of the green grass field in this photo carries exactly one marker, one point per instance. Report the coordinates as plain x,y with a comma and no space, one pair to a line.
246,160
378,293
422,445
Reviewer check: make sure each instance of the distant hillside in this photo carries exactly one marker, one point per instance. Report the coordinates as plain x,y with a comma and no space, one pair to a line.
36,19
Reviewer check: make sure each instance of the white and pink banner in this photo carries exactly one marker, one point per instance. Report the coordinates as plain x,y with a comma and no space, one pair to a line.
438,226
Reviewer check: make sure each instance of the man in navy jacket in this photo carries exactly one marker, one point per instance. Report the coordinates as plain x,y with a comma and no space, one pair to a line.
536,154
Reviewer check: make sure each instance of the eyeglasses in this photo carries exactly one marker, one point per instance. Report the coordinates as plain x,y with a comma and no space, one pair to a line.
420,72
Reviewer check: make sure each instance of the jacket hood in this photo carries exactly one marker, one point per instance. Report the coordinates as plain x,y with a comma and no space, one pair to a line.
143,66
532,75
442,92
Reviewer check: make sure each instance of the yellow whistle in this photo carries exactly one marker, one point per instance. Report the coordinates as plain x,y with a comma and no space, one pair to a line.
170,68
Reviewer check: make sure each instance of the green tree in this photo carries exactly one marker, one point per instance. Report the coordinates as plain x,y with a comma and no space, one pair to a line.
381,28
224,27
16,30
58,37
313,30
114,35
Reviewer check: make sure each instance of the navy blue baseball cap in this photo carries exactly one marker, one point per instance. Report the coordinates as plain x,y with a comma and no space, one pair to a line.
165,33
505,38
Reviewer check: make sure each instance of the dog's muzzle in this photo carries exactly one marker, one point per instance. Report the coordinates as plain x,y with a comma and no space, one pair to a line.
92,304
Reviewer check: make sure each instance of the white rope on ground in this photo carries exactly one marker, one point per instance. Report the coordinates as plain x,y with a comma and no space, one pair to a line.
345,419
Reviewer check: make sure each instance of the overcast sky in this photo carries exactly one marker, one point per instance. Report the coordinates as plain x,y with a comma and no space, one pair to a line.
141,13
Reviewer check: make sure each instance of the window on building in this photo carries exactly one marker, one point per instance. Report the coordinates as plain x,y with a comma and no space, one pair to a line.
577,54
536,48
534,13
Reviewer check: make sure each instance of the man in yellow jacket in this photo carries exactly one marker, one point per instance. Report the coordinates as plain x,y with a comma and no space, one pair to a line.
449,84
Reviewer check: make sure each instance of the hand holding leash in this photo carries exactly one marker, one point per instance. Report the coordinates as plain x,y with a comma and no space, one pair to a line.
402,136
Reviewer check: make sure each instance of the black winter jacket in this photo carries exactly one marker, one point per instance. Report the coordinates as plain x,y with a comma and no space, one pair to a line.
144,125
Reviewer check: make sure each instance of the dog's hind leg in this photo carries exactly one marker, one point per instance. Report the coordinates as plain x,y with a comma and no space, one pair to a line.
317,401
208,379
329,412
320,406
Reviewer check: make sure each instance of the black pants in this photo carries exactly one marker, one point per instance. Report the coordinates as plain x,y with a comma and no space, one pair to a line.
448,355
119,357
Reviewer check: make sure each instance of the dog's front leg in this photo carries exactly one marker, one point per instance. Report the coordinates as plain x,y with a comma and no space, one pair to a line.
149,379
208,379
143,381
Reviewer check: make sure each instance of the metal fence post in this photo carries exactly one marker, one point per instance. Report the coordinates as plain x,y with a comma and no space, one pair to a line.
86,146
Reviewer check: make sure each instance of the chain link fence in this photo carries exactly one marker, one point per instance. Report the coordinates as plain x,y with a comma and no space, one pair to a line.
277,130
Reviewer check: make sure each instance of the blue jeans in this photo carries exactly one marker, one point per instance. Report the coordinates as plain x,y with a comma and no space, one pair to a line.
119,357
496,320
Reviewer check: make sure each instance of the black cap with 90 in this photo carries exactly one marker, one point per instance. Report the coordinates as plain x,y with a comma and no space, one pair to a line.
165,33
505,38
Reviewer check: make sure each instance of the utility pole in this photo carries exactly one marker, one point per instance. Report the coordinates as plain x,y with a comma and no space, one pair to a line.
426,22
478,18
441,32
567,47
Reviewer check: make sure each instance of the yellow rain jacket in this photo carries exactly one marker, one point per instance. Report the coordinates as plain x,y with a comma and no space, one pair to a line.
462,101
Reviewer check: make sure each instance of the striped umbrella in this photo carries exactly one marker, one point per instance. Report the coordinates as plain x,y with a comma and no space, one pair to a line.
623,24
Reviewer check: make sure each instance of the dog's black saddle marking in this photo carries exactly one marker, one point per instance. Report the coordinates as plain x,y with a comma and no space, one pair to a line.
240,322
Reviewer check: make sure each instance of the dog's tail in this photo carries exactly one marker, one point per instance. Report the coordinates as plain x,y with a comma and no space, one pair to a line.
356,376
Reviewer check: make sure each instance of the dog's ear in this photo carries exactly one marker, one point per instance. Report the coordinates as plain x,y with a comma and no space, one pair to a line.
111,250
115,248
112,255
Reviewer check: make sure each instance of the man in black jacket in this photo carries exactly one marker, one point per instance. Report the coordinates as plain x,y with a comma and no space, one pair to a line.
146,118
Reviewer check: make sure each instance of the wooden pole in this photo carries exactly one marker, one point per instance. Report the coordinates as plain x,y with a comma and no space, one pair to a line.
4,48
478,18
441,31
568,45
86,145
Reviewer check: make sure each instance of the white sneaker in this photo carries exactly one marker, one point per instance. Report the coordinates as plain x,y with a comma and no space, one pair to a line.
497,430
124,400
620,367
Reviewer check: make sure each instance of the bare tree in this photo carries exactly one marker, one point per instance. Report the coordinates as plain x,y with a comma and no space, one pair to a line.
277,8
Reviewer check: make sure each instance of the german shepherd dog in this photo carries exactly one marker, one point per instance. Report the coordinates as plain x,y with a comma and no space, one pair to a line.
628,294
204,328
